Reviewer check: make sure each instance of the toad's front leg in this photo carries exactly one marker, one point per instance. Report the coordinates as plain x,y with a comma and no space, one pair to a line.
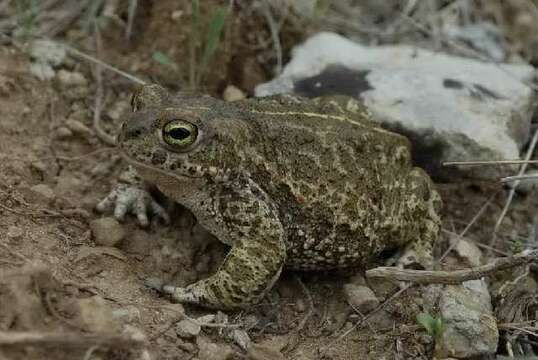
254,262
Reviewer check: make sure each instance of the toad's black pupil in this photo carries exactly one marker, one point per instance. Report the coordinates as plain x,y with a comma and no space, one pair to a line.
179,133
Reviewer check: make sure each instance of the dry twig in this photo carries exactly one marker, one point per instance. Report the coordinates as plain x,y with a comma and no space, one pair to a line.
70,340
364,319
462,234
452,277
303,321
512,193
99,94
273,27
490,162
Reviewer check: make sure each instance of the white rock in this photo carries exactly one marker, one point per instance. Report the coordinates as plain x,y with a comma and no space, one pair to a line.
470,328
453,108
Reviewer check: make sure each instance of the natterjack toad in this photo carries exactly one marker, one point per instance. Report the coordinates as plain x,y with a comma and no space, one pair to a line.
286,182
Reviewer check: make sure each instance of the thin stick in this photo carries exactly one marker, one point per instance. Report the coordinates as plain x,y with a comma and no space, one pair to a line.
99,94
462,234
512,192
490,162
452,277
483,246
94,60
509,179
71,340
304,320
130,18
364,319
274,34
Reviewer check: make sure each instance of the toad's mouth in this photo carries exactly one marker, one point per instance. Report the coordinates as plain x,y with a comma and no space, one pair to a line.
149,169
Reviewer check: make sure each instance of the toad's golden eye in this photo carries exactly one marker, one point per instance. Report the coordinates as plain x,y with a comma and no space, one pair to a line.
180,133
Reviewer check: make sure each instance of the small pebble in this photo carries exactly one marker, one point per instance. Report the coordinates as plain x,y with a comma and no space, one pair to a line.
78,127
39,166
15,233
187,329
96,315
107,231
42,71
361,298
117,109
42,193
300,305
241,338
71,78
127,314
177,14
211,351
63,132
264,352
48,51
206,319
232,93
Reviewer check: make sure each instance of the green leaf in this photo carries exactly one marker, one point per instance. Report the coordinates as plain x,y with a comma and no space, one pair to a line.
213,36
193,43
162,58
428,322
438,327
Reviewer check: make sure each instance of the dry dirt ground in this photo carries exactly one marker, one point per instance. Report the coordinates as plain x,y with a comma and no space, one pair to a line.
54,278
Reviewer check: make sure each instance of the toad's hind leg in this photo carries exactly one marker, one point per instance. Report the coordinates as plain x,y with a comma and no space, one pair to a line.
420,251
254,262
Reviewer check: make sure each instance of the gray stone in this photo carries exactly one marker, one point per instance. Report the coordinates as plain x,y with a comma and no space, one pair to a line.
107,231
468,252
361,298
187,329
127,314
241,338
452,108
470,328
42,71
63,132
78,127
